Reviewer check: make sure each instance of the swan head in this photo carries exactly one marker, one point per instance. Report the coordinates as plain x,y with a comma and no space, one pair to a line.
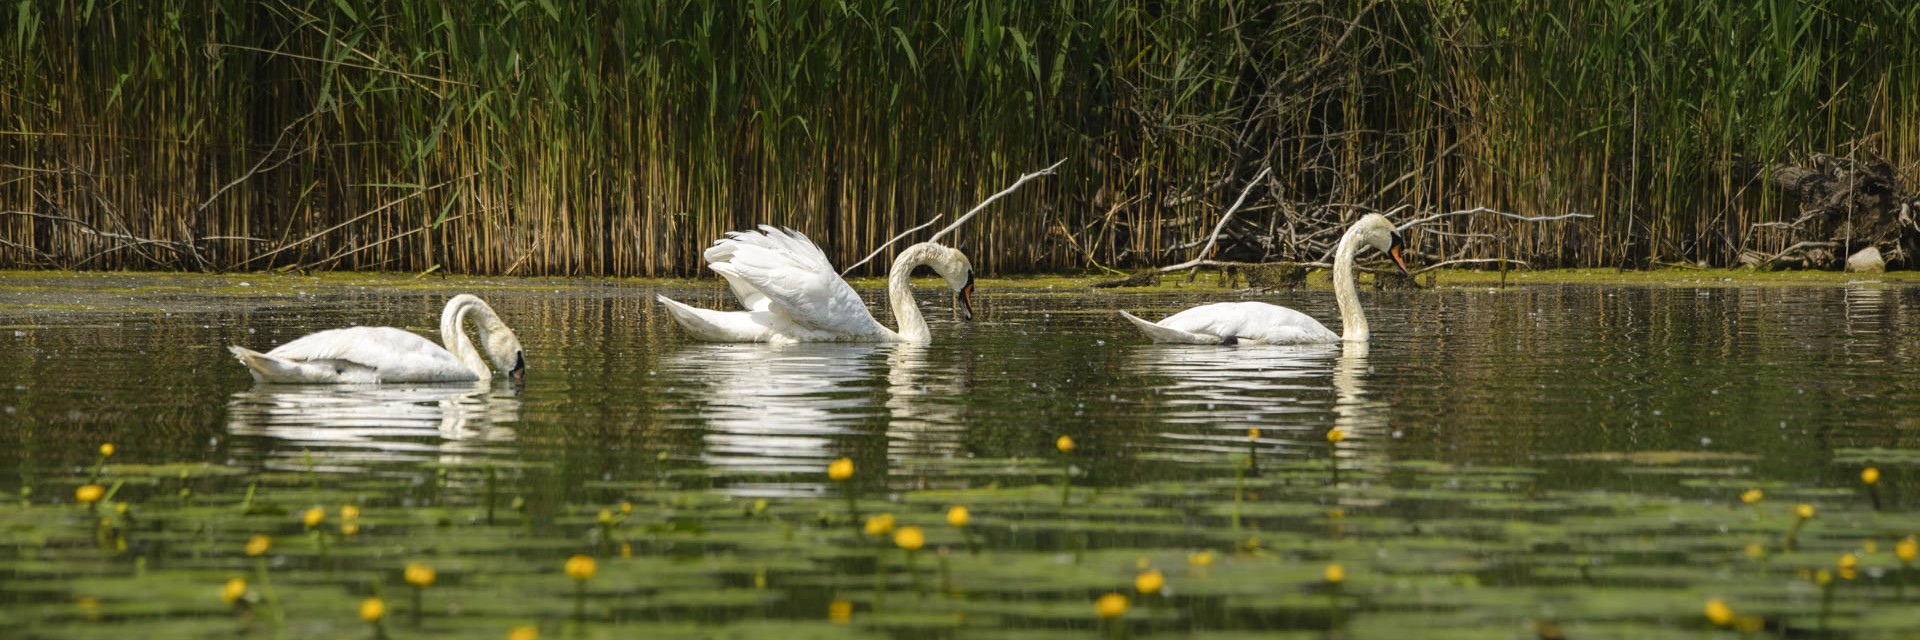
1379,232
953,266
503,347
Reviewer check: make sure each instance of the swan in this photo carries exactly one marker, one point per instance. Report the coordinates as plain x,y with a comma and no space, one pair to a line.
386,354
792,294
1262,323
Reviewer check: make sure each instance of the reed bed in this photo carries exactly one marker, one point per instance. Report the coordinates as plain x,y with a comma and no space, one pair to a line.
600,138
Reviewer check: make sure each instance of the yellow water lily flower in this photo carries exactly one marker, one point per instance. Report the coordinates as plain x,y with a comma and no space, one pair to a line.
1112,605
525,632
1064,444
106,450
1719,613
89,494
1335,574
840,469
840,611
1870,475
1336,434
1150,582
349,512
1906,550
314,517
910,538
234,590
958,516
1804,511
581,567
1200,558
419,575
259,544
1752,496
373,609
880,525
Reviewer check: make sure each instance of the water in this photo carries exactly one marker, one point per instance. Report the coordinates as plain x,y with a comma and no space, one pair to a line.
1545,455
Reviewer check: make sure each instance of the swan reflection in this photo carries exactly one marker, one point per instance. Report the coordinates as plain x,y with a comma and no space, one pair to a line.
377,422
777,409
1280,389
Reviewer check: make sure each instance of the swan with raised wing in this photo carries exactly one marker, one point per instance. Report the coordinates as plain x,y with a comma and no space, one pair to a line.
792,293
385,354
1262,323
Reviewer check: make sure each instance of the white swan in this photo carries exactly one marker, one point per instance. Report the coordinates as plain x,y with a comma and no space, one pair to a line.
792,294
1262,323
386,354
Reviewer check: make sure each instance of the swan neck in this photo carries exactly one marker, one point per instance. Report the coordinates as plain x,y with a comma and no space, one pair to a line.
455,337
1353,322
906,313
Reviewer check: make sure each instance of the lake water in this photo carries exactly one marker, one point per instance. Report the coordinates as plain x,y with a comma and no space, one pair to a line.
1514,461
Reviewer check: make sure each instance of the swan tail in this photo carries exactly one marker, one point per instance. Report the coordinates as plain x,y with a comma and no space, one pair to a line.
266,368
1159,333
714,326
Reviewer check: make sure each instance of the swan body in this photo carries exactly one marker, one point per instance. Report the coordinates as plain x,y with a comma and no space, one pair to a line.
1262,323
791,293
366,355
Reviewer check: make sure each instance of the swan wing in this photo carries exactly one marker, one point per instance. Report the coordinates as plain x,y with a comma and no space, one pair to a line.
783,272
1251,322
391,355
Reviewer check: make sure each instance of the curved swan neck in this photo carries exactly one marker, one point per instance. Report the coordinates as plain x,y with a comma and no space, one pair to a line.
455,338
1353,323
906,313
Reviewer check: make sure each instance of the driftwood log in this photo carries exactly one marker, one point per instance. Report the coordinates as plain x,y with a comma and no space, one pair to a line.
1847,206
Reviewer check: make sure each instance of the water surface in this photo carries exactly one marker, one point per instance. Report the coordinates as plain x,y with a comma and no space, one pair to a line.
1566,455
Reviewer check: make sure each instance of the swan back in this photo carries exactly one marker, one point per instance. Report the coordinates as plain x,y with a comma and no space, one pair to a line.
782,272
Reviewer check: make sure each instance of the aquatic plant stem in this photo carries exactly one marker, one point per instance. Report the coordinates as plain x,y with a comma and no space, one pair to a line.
419,594
1239,493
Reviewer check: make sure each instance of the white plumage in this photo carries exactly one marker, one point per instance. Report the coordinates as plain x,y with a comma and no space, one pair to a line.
385,354
1262,323
791,293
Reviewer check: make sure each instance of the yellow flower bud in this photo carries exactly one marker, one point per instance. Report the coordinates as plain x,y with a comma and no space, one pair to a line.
840,469
349,529
958,516
1150,582
1253,434
106,450
1336,574
349,512
1804,511
314,517
235,589
840,611
1719,613
419,575
1870,475
880,525
1112,605
626,508
89,494
1848,562
1756,550
910,538
259,544
606,516
581,567
1335,435
373,609
1752,496
1823,577
1065,445
1200,558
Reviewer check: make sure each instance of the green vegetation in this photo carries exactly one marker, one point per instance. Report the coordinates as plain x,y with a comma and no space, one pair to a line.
586,138
472,550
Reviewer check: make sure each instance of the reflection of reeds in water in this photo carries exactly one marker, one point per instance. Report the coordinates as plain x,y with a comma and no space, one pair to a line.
353,424
586,138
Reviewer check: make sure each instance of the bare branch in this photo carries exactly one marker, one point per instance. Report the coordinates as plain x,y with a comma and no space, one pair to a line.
1503,214
889,243
1215,236
963,219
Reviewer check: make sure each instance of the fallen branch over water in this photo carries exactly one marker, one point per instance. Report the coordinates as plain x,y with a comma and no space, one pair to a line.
963,219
